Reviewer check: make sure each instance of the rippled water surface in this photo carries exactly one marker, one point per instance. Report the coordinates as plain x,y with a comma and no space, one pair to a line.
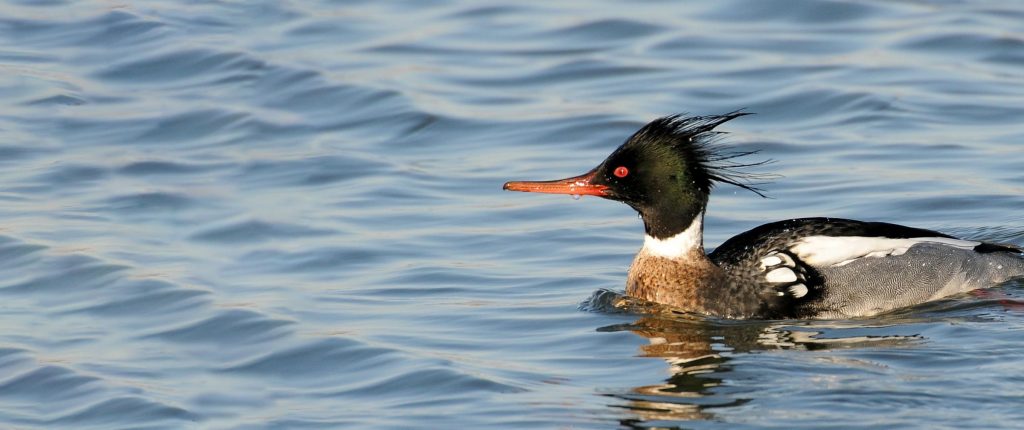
263,214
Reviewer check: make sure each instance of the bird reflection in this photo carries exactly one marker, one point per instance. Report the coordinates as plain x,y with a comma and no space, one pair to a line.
699,351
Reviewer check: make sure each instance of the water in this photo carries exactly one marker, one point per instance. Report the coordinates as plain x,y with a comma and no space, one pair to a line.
269,214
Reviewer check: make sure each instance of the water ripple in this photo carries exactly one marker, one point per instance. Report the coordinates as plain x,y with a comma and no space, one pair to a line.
256,231
237,325
311,361
182,65
125,411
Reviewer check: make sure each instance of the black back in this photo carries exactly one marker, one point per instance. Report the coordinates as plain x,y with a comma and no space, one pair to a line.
782,234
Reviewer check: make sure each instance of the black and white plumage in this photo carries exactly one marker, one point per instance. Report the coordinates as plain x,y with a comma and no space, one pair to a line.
831,268
799,268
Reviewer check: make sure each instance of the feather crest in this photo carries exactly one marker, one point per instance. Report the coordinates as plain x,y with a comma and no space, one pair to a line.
709,161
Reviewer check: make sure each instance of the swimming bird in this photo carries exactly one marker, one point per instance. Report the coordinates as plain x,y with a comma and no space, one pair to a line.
796,268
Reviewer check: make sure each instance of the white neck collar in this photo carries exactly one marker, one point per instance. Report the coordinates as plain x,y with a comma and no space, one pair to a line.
681,245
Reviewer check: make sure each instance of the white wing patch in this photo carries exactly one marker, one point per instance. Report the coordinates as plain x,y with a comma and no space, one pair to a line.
771,260
782,274
776,260
779,268
842,250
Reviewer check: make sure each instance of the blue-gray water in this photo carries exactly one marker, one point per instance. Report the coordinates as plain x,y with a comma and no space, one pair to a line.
263,214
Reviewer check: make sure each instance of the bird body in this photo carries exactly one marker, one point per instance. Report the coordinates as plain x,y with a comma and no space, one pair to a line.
797,268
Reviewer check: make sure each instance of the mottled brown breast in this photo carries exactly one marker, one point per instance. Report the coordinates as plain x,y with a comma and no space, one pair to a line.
682,283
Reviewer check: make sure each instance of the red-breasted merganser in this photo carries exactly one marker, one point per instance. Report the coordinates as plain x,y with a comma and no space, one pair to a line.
798,268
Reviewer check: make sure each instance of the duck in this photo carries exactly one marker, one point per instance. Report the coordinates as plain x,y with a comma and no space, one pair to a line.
803,268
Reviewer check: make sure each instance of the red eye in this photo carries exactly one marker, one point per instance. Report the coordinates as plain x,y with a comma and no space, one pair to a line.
621,171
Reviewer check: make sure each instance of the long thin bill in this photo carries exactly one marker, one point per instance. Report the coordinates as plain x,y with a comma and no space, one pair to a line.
577,185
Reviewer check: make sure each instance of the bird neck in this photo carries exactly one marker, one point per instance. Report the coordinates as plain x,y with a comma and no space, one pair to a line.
684,245
673,213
